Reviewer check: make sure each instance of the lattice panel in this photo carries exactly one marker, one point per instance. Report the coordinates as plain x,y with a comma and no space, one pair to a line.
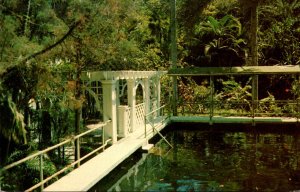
140,114
128,124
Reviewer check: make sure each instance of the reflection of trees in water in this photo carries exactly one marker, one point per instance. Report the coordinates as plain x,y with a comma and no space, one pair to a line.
218,160
148,170
254,158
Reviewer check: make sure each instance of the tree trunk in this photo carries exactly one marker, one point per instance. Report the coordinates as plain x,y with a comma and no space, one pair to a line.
26,27
45,130
254,50
78,105
174,54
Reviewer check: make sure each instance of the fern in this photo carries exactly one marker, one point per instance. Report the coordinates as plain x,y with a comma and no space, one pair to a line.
12,124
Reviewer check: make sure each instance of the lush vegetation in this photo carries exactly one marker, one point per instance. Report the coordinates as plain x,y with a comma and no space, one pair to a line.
46,44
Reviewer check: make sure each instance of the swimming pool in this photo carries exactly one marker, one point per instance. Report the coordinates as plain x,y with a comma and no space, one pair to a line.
214,158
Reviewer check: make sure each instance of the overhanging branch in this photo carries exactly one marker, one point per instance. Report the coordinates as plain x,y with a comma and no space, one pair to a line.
71,29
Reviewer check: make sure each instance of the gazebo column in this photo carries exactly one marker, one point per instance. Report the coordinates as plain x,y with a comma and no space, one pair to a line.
118,93
146,95
132,102
110,108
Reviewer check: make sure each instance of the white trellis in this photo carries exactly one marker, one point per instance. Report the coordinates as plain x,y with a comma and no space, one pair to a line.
140,115
125,117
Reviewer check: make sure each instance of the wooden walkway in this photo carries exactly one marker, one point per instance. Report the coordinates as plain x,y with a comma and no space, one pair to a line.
88,174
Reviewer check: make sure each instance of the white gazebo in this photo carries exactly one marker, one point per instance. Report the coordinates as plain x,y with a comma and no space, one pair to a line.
124,97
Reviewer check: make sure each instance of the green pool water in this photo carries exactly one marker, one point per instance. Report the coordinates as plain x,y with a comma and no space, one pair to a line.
213,158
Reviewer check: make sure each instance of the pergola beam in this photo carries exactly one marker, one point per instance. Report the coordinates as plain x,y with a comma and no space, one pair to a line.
116,75
247,70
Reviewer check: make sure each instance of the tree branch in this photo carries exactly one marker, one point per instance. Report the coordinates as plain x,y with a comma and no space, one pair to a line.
53,45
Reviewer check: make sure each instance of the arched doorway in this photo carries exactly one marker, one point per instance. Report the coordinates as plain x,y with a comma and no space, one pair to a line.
92,109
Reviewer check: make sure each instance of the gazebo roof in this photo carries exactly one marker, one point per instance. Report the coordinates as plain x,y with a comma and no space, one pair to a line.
246,70
116,75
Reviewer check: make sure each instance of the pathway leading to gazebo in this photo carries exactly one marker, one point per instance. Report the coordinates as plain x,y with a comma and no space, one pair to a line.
88,174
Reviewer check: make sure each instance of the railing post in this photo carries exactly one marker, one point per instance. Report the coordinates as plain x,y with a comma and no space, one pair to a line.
77,143
297,110
211,112
41,171
252,111
297,113
145,125
103,138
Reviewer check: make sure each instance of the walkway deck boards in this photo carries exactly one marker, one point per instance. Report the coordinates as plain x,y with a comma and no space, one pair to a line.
88,174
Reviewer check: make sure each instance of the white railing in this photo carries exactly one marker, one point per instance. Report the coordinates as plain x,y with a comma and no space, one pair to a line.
43,152
140,114
148,119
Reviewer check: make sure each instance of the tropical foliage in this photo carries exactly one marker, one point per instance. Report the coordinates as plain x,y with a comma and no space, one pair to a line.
282,43
234,96
226,43
45,45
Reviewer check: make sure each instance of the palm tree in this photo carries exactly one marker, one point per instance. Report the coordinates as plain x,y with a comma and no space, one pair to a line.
225,40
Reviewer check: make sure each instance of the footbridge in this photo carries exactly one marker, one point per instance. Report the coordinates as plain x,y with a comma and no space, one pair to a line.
88,174
128,112
131,103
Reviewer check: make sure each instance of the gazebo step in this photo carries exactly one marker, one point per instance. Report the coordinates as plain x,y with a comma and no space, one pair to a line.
147,147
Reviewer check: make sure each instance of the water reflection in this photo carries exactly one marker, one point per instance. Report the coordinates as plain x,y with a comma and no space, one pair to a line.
216,161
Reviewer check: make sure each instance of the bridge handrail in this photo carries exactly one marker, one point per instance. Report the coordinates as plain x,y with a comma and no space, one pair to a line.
255,107
153,126
40,153
161,107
